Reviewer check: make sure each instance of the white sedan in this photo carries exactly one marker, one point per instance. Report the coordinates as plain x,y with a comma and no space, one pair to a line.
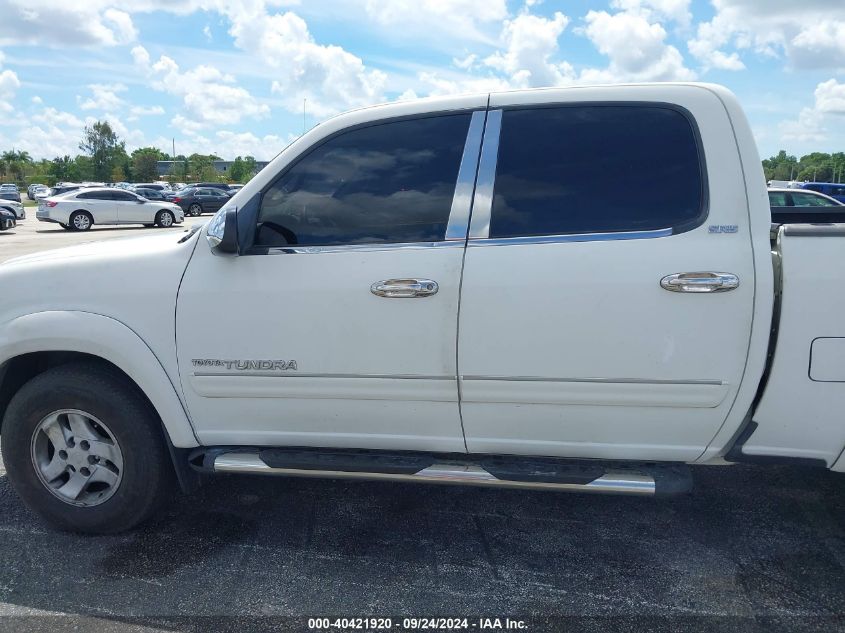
81,209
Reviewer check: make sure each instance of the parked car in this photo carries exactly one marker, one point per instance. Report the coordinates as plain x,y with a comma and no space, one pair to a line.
150,194
215,185
804,206
7,220
10,192
235,188
832,189
199,200
63,188
12,206
152,185
40,191
603,342
30,191
80,210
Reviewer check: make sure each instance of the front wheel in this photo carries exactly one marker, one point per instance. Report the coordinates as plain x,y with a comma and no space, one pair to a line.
165,219
195,209
84,450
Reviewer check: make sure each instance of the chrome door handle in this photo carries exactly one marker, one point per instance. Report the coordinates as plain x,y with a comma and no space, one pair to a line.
404,288
700,282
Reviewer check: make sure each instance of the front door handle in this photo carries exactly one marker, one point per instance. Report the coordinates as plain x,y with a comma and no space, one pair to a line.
404,288
700,282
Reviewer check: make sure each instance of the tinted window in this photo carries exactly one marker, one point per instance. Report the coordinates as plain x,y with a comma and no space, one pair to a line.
809,200
123,196
392,182
94,195
777,199
596,169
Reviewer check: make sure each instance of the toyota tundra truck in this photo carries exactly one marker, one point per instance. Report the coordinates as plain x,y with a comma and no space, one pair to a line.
561,289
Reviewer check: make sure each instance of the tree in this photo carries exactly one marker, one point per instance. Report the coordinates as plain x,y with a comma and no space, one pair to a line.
145,164
104,148
15,163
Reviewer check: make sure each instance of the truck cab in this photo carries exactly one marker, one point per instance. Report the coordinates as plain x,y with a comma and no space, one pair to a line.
441,290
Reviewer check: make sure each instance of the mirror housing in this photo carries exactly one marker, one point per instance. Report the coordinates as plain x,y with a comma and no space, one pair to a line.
222,232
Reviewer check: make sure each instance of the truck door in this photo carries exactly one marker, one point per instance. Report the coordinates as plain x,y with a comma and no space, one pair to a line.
337,327
608,283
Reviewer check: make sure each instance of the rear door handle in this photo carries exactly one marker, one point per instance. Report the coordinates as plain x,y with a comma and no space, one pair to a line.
700,282
404,288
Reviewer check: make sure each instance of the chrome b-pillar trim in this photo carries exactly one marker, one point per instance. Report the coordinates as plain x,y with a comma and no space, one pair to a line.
482,204
462,200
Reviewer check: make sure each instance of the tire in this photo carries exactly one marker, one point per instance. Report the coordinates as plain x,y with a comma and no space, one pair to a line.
66,227
195,209
81,221
165,219
131,474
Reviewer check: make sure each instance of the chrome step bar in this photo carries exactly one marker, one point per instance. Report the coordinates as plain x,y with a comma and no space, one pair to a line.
627,483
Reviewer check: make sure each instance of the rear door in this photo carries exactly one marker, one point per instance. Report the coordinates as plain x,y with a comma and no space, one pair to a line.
100,204
580,334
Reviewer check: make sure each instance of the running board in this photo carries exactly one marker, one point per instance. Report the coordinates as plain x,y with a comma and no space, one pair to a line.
539,474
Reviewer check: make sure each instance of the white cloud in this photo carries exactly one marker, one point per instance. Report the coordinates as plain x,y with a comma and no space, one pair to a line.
103,97
9,84
331,78
208,95
62,23
809,34
463,20
811,124
530,43
830,97
677,10
635,47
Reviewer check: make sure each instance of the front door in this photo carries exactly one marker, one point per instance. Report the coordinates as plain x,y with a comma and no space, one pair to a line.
337,327
574,338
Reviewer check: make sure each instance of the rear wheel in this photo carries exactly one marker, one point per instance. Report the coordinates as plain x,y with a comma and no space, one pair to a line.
84,450
165,219
81,220
195,209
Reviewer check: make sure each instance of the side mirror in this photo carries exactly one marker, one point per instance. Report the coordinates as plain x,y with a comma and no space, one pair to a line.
222,232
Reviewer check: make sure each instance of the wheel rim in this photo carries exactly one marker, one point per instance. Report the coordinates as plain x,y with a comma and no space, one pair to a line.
81,221
77,458
166,219
195,209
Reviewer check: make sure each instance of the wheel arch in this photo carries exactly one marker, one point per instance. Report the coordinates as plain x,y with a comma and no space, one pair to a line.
36,342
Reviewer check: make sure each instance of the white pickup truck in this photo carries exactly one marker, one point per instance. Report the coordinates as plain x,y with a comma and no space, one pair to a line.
565,289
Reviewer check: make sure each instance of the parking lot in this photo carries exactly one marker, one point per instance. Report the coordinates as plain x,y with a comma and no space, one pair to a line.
32,236
752,549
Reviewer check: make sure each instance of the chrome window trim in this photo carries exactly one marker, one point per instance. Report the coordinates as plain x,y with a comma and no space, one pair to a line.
575,237
340,248
482,204
459,214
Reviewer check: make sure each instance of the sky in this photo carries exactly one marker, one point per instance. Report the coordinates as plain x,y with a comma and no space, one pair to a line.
245,77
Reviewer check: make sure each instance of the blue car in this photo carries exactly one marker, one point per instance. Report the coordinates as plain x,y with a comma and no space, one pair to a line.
832,189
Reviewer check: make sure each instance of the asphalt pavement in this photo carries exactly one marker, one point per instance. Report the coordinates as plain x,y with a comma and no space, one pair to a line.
752,549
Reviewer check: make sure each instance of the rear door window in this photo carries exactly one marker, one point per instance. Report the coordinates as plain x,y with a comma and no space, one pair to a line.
597,169
777,199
